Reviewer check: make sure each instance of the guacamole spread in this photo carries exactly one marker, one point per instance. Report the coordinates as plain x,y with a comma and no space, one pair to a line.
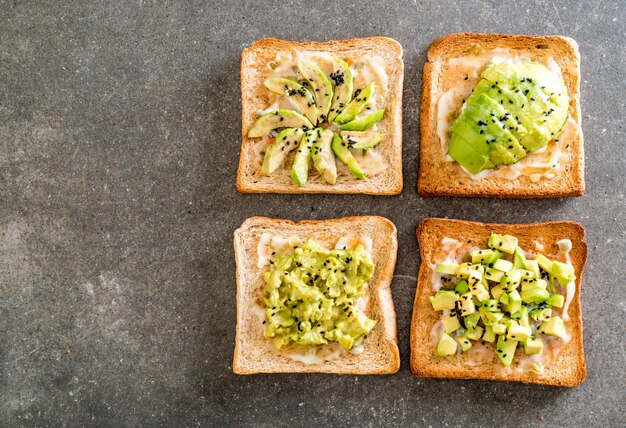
310,296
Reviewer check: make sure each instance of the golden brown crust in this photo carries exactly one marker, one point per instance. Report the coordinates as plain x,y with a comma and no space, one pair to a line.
567,368
254,97
255,354
438,177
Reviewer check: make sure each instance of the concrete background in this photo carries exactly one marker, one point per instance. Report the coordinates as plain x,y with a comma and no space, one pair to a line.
119,138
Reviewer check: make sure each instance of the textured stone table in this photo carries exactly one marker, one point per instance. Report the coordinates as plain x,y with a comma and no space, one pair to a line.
119,141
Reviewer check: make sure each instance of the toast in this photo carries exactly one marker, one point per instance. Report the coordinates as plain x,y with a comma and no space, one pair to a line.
255,97
256,354
565,368
440,176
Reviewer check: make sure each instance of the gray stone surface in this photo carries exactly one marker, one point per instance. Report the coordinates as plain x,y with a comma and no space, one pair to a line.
119,141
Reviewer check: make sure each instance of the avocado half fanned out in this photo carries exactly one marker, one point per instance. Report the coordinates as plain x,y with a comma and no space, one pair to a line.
323,101
515,109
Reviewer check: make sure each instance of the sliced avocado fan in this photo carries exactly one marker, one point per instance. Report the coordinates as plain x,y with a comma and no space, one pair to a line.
321,102
515,109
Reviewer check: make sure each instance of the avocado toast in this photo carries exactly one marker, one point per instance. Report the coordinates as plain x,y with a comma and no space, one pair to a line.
500,117
321,117
561,362
335,316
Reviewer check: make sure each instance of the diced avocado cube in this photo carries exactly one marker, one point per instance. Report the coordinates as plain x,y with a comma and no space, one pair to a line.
519,261
461,287
444,299
493,274
447,346
504,298
447,268
482,256
506,243
489,335
518,332
556,300
471,321
527,274
533,346
533,266
522,317
511,280
475,277
503,265
466,304
496,256
544,262
488,317
450,323
496,292
515,302
528,284
465,343
491,305
563,273
498,328
480,293
553,327
463,270
541,314
535,296
505,349
476,334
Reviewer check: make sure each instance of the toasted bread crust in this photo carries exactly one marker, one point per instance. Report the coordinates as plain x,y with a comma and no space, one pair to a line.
568,368
255,354
254,97
438,177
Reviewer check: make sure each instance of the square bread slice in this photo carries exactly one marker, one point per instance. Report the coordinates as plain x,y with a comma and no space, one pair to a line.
445,73
256,354
567,368
255,70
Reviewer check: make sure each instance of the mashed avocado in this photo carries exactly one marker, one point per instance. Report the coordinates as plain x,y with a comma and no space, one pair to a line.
310,296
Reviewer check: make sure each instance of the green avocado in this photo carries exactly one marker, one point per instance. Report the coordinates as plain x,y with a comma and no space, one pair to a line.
363,140
361,99
505,349
278,119
516,108
320,85
296,92
342,78
323,157
310,294
286,141
341,150
300,168
447,346
364,122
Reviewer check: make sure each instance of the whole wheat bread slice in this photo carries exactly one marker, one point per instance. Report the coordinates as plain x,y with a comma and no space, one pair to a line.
565,369
256,354
439,177
255,96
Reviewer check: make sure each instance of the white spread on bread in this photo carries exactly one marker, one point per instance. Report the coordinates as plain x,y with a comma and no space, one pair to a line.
464,72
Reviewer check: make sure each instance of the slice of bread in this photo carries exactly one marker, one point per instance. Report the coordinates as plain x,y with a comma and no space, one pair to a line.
256,354
440,176
255,97
567,368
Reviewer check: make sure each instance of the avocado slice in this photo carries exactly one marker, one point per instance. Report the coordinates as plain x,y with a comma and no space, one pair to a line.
300,168
296,92
447,346
361,99
342,77
364,122
444,299
323,157
321,86
278,119
341,150
286,140
505,349
364,140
